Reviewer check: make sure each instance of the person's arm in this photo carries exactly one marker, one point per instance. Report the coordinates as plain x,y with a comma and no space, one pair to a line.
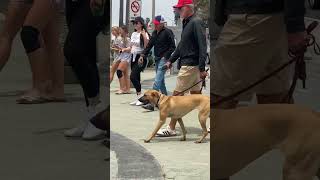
128,48
172,45
145,38
150,45
294,15
200,36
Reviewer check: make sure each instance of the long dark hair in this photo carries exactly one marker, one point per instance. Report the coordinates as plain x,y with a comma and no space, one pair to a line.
144,27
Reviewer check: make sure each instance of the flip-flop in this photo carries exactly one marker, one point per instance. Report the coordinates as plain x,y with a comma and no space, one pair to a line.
120,93
31,100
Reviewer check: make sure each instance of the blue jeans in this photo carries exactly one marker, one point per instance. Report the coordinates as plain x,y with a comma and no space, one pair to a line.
159,83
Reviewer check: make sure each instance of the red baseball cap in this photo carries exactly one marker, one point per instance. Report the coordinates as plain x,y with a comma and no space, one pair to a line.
158,20
182,3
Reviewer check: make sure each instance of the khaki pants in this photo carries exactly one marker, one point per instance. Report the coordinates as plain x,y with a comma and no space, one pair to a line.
187,77
250,47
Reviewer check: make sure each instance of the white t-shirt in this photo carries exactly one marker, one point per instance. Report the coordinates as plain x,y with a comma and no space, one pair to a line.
135,44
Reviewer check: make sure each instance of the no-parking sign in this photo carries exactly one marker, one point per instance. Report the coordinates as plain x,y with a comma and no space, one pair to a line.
135,8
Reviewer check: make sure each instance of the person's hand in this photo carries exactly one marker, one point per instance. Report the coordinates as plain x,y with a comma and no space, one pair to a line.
297,41
203,74
140,61
168,65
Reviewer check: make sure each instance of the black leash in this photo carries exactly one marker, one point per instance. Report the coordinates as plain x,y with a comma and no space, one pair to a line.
300,69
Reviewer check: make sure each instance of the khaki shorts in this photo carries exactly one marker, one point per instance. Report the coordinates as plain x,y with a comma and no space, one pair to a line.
250,47
187,77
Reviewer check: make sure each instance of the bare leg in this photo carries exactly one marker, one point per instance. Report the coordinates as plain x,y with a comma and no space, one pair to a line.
123,66
40,14
54,56
127,77
113,70
15,16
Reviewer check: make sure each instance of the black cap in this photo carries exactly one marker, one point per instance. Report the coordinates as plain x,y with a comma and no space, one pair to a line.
138,19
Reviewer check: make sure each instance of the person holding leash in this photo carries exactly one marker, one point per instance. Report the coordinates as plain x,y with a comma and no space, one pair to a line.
192,51
162,39
247,42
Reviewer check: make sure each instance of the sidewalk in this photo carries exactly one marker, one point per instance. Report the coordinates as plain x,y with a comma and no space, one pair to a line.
32,144
176,159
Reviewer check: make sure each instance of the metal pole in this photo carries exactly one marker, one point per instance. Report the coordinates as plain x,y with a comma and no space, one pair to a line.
128,13
153,9
121,14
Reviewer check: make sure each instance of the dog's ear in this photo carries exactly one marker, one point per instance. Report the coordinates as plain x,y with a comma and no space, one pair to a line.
154,94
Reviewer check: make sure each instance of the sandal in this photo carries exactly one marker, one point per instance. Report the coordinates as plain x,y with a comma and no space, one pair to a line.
32,100
122,92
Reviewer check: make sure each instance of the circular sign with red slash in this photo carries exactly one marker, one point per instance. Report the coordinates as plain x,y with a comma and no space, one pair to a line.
135,7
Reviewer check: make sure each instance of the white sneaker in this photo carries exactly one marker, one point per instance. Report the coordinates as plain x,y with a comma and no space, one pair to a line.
77,131
93,133
139,103
134,102
166,132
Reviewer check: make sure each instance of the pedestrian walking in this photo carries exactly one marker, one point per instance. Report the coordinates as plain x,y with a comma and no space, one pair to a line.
124,58
192,51
255,40
162,40
84,24
38,22
138,42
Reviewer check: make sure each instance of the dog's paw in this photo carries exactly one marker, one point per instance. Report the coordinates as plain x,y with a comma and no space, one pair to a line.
197,142
146,141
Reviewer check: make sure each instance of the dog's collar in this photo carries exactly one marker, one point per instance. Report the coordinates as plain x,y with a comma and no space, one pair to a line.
157,105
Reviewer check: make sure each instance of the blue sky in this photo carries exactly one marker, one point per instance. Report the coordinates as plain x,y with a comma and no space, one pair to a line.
163,7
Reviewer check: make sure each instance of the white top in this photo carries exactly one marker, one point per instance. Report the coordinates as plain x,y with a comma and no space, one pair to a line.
135,44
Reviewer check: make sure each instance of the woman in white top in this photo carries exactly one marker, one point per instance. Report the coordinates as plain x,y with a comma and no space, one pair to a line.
124,58
139,41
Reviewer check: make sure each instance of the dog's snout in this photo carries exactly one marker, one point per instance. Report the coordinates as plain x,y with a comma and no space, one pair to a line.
141,99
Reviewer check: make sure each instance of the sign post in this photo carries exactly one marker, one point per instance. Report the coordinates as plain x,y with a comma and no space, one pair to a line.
135,9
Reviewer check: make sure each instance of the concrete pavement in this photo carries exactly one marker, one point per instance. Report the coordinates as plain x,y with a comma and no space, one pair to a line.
176,159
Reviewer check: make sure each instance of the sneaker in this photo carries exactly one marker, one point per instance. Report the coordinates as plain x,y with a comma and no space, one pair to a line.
134,102
149,107
139,103
93,133
77,131
166,132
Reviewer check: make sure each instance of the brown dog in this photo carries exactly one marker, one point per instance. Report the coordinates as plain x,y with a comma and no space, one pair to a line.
176,107
244,134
